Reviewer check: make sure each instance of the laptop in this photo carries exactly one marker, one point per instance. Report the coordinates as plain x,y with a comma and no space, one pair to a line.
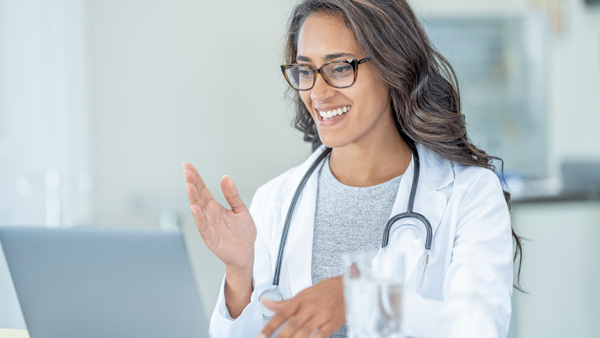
76,283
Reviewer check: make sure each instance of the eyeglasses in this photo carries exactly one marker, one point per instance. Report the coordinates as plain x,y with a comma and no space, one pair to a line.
338,74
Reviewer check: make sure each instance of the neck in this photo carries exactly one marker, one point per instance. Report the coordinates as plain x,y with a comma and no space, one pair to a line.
374,159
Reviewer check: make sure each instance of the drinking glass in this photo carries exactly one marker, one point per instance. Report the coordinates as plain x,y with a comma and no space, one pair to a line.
373,289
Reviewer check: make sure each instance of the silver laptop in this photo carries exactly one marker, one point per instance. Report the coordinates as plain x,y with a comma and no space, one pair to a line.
88,283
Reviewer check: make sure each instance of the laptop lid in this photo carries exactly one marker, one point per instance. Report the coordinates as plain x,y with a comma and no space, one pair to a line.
76,282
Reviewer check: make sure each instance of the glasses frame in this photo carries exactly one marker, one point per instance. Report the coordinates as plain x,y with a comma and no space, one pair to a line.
353,62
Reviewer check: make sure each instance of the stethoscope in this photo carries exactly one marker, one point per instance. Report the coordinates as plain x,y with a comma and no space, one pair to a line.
274,294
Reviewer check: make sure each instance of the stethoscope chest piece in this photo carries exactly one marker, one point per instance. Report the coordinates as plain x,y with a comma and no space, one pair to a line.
270,294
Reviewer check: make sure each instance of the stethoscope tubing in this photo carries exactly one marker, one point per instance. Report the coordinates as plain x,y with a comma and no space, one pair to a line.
386,234
409,210
288,217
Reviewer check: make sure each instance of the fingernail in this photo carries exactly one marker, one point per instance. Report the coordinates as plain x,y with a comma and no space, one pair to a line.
192,207
183,164
262,335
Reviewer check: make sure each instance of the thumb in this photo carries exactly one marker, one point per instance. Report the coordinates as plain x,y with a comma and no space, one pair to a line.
232,196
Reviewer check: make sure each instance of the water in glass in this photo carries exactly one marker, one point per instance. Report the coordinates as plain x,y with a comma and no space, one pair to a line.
373,287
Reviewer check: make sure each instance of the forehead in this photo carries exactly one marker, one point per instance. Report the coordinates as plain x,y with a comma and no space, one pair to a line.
322,34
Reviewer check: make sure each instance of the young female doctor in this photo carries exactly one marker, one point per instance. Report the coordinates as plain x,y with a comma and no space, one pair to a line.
370,88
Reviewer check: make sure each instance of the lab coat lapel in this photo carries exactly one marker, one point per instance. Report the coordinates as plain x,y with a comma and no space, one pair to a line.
408,235
436,174
298,252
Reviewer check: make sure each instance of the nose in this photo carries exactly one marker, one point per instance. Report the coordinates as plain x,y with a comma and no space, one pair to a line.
321,91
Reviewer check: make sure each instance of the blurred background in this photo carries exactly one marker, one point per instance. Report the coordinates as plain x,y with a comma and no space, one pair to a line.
101,101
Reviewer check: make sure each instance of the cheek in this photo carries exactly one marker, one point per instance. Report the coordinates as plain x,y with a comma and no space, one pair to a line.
374,98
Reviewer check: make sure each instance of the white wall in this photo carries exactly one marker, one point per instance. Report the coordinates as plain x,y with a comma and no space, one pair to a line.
195,81
44,108
44,145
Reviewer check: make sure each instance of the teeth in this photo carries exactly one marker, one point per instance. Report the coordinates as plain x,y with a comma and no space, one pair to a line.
334,112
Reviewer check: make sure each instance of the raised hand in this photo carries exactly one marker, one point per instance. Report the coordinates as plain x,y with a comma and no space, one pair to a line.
230,234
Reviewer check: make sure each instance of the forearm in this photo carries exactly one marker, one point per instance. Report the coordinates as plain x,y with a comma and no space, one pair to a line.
238,288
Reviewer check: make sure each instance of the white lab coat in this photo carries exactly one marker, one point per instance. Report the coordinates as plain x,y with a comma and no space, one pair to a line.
470,221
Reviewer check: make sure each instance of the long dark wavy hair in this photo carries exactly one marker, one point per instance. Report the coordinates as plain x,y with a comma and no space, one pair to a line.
423,88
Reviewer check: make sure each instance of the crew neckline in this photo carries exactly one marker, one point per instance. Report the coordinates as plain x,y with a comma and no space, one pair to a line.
332,182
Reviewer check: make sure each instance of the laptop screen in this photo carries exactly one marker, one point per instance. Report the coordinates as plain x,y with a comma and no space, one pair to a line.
103,283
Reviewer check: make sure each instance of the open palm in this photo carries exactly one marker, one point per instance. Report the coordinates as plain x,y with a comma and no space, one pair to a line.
230,234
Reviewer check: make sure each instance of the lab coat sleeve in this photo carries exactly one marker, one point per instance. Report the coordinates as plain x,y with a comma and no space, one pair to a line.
482,240
250,322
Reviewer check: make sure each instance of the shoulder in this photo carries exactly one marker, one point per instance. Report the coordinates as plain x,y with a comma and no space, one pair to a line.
479,190
469,177
442,173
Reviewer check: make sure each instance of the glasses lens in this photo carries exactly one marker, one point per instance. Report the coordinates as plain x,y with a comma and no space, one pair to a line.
339,74
300,77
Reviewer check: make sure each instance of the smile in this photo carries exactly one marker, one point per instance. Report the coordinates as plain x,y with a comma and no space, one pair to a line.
333,113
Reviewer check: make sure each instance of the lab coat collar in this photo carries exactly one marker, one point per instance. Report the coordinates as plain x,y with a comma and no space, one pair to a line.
436,174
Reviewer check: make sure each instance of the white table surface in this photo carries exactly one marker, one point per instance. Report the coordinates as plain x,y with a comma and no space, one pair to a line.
10,333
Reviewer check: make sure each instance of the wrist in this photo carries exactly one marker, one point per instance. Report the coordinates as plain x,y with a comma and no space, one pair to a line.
241,269
238,282
239,277
238,287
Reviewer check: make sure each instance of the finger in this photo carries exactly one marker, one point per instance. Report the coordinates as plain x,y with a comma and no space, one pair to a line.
311,327
190,167
326,330
198,208
232,196
286,311
190,177
296,327
198,182
201,224
190,173
193,195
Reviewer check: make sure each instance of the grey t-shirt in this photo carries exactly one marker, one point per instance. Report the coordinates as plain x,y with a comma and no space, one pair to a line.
347,219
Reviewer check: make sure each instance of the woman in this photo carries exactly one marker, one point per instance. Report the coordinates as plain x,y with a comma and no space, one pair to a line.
371,87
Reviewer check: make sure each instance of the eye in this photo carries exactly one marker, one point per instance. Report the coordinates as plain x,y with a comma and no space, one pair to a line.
342,69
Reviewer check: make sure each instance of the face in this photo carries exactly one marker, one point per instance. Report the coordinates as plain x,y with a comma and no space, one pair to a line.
325,38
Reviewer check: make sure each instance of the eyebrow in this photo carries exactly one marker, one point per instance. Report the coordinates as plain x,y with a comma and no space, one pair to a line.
327,57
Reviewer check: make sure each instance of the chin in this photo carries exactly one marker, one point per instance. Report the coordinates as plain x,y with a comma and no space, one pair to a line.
331,141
